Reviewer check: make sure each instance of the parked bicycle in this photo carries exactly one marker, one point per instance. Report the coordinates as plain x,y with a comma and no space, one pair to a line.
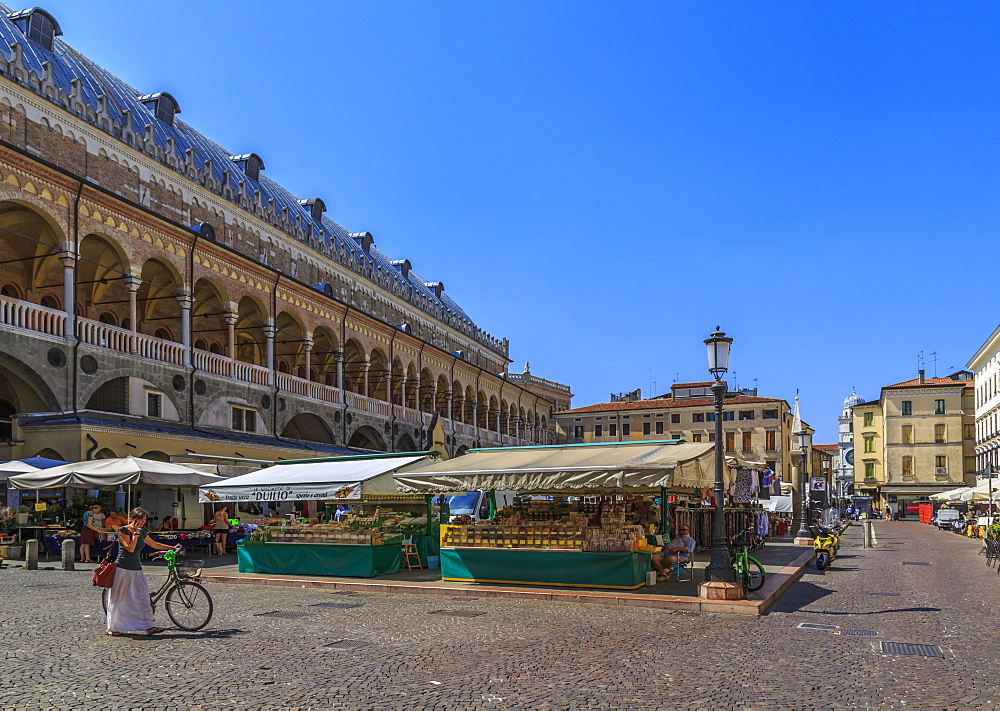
188,604
749,571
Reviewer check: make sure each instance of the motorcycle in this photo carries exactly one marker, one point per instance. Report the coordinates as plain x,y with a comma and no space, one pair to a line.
826,543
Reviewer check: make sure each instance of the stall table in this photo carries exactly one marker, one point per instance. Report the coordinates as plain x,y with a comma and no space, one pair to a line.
342,559
538,566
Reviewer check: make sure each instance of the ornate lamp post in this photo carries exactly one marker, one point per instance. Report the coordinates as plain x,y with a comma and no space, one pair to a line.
720,569
804,442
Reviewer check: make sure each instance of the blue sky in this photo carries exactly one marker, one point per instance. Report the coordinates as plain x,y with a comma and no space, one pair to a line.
602,183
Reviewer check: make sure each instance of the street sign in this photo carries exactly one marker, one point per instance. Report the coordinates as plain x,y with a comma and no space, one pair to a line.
817,483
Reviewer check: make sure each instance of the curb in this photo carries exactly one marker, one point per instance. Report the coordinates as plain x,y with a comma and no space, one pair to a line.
775,585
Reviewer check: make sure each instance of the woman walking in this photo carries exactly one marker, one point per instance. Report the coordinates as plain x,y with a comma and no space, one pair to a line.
90,532
128,604
221,529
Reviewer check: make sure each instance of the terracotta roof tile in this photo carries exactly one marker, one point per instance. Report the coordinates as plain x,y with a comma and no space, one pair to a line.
706,384
827,447
934,381
668,403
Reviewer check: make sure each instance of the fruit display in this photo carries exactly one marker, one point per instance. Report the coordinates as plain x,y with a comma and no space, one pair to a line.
319,534
552,536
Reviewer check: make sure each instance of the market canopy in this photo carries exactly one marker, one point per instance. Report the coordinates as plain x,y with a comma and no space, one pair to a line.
640,465
982,492
23,466
112,473
339,478
950,495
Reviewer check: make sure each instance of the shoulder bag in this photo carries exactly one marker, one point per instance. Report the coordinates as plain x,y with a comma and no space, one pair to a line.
104,573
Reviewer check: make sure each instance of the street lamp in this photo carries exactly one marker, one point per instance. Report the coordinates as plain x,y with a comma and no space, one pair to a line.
720,569
804,442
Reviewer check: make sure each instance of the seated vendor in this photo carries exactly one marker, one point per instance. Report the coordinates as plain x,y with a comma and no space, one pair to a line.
679,549
114,520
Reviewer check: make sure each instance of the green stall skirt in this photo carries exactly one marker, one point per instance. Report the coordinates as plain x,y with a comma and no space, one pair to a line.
318,559
546,567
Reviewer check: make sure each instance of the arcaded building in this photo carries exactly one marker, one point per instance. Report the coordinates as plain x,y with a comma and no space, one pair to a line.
160,295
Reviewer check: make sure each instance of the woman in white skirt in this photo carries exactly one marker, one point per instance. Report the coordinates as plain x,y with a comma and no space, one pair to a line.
128,604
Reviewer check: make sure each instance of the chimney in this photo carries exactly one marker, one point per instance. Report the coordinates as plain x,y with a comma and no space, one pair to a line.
921,375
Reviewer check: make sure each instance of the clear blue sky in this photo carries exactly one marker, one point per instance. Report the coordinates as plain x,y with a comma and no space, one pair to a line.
603,183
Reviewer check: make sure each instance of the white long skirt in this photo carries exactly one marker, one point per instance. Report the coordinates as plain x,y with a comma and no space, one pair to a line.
128,603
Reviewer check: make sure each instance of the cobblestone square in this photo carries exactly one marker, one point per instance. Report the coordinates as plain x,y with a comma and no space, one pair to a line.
341,650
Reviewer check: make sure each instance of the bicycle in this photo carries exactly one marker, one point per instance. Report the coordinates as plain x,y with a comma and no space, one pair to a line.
749,571
188,604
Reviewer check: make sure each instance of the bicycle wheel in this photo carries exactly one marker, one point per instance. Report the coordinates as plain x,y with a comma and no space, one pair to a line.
755,574
189,606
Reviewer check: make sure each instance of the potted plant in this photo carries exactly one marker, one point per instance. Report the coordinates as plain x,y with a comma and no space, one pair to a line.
22,514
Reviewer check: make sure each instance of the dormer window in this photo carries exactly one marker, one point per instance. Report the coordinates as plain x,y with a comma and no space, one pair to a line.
251,164
315,206
364,240
403,265
435,286
38,26
163,105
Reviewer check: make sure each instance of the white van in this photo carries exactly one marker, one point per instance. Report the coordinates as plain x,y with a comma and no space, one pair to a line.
477,503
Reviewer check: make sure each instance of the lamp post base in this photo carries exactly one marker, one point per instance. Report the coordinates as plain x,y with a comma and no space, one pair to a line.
803,541
720,574
717,590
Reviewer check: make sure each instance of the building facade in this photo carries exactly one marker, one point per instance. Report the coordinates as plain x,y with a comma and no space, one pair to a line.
843,467
917,439
985,364
754,428
160,295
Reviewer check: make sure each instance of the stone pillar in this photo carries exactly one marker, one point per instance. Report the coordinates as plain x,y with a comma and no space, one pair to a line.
475,415
307,346
132,283
388,385
461,408
339,357
185,302
416,394
517,428
31,554
269,333
68,554
68,260
434,398
402,390
231,318
365,367
449,395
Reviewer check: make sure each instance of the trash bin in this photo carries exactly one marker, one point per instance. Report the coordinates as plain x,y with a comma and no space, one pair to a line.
433,562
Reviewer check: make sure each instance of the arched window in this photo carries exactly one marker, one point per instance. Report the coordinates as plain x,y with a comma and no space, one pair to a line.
215,348
201,345
163,333
50,302
108,318
10,290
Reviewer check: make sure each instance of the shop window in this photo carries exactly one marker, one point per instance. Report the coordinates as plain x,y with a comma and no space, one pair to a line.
907,435
696,438
869,444
747,441
154,404
906,408
612,430
626,429
769,440
870,418
675,419
646,429
730,441
940,434
659,428
677,435
244,419
711,436
770,414
746,414
697,416
939,408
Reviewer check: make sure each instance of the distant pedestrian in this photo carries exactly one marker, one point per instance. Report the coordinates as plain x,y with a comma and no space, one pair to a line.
849,512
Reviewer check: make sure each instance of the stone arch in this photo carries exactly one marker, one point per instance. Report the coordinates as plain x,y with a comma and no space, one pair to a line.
101,288
324,356
250,340
157,306
105,453
111,396
366,437
308,427
208,317
289,345
354,361
156,455
30,242
405,443
462,449
398,373
412,387
50,453
21,390
378,367
441,400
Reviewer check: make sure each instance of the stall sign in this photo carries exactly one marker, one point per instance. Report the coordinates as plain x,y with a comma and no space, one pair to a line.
41,507
282,492
817,483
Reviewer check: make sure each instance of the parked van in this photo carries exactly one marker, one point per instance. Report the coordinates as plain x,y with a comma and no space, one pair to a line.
477,503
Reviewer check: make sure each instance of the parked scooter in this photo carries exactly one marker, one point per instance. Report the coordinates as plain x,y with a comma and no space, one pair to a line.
826,543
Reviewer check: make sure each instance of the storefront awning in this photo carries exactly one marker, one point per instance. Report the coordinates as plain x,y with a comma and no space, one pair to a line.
342,478
916,489
633,465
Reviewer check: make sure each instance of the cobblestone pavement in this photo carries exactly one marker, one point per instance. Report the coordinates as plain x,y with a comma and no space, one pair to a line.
416,651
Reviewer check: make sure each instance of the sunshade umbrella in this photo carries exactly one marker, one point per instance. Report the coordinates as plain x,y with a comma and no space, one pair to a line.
950,494
112,473
983,492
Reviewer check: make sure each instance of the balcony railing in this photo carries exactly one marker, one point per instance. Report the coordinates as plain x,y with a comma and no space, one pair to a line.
31,317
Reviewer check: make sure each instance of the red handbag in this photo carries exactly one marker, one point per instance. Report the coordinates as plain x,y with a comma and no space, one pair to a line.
104,573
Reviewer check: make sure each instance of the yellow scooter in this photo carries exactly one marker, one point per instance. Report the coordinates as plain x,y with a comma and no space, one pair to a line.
826,542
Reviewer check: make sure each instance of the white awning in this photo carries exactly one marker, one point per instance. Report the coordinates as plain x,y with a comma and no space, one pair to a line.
112,473
632,465
343,478
777,504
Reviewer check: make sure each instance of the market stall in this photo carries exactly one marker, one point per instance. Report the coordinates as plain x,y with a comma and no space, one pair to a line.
605,499
363,541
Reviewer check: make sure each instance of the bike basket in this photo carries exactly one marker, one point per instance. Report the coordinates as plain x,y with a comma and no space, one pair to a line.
188,568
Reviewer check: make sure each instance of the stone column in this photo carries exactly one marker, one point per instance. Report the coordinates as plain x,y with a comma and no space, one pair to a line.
434,398
365,367
307,346
517,428
269,333
132,283
339,357
68,260
475,415
448,395
185,302
231,318
388,385
402,390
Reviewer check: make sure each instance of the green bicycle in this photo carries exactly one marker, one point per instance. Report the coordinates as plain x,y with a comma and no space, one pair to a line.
749,571
188,604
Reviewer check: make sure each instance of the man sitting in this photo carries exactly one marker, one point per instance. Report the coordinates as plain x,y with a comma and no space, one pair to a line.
678,550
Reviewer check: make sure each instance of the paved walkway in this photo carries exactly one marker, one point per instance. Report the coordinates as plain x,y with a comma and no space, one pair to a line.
281,648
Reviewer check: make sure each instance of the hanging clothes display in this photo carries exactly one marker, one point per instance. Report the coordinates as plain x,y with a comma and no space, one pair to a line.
746,487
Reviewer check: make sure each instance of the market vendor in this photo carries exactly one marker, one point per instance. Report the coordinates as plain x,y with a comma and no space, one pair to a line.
114,520
679,549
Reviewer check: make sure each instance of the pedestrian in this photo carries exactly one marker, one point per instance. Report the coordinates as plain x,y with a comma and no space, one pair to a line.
89,533
221,527
129,609
849,512
888,513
